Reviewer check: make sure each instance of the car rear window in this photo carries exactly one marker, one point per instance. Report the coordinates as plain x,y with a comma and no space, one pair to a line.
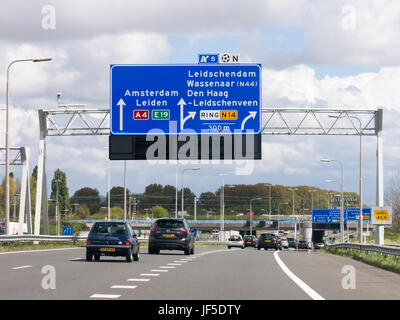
109,228
169,224
267,236
235,238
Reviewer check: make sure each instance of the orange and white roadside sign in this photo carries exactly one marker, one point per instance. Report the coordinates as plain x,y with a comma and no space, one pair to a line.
381,215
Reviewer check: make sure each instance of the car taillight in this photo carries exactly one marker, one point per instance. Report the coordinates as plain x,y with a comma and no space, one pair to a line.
89,242
127,243
154,229
259,238
183,230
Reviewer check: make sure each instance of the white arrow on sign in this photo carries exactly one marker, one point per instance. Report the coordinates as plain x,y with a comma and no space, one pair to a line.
252,114
192,114
121,103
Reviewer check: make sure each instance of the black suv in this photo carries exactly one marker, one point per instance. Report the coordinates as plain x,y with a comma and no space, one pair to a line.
112,239
171,234
250,241
269,241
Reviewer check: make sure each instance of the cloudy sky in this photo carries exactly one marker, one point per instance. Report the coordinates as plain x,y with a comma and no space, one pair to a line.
339,54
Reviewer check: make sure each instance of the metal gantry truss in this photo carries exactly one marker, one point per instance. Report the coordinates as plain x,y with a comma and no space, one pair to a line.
20,157
76,120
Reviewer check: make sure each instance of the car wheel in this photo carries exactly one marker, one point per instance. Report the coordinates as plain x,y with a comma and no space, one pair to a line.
97,256
89,255
187,252
192,250
243,247
258,248
129,255
137,255
150,251
229,247
157,251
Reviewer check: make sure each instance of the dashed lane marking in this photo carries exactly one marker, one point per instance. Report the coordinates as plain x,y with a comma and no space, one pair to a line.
21,267
123,287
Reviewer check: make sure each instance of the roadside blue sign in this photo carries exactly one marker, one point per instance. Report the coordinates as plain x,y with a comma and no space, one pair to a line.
320,216
67,231
333,215
189,99
354,213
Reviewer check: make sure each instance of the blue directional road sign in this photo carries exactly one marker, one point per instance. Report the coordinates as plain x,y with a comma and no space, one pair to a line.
67,231
190,99
353,214
320,216
326,216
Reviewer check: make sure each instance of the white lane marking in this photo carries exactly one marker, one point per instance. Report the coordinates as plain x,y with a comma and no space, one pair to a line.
21,267
139,280
167,267
105,296
174,264
159,270
41,250
75,259
313,294
150,274
186,259
181,261
123,287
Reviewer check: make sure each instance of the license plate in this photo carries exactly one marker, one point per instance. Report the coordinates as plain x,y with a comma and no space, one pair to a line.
168,235
235,242
107,249
267,240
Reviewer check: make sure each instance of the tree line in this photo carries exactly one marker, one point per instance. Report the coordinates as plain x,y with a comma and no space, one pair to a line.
162,201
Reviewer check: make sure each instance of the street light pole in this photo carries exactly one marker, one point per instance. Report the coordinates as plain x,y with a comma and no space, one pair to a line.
183,188
360,224
57,216
312,198
341,197
251,220
279,213
7,175
125,190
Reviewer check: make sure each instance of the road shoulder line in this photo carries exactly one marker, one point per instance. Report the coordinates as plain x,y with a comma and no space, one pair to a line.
306,288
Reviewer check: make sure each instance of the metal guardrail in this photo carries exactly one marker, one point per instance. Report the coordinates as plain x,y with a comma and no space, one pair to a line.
28,237
392,250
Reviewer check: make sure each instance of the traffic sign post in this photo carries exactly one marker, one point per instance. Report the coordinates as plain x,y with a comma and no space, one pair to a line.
189,99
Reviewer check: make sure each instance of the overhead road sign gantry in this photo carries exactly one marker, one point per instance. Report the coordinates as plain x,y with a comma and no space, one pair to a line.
190,99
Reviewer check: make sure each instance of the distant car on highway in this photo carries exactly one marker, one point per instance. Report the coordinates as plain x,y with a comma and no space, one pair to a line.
319,245
112,239
303,244
171,234
284,243
292,242
269,241
250,241
236,241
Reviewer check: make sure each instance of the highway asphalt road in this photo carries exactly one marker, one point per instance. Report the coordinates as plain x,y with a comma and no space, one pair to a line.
209,274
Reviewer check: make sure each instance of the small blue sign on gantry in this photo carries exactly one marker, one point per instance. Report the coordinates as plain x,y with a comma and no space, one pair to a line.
190,99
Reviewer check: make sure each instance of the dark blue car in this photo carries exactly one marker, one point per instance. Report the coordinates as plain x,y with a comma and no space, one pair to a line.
112,239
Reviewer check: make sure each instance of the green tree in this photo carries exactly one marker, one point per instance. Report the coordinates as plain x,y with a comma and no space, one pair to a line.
89,197
59,184
117,197
160,212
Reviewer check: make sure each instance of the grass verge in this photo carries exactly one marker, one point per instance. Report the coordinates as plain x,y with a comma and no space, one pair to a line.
387,262
28,245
